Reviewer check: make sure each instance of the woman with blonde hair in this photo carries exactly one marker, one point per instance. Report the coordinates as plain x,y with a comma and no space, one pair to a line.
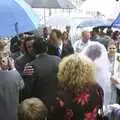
79,96
32,109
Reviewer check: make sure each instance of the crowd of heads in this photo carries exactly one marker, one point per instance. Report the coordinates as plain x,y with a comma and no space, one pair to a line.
26,40
74,71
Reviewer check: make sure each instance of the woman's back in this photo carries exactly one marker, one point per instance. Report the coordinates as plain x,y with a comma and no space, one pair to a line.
82,104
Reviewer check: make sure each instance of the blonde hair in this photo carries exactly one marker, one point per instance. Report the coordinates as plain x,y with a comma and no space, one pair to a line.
4,47
76,71
32,109
85,32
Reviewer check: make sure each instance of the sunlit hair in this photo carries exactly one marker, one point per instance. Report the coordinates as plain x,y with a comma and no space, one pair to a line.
64,34
32,109
76,71
4,48
85,32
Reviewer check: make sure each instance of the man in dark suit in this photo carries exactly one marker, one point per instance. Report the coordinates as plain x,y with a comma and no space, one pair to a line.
44,73
20,63
56,46
27,56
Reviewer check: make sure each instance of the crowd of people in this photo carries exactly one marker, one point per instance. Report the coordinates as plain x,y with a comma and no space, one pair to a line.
48,78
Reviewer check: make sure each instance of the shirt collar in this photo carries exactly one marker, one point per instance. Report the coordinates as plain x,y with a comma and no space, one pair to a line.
61,45
82,43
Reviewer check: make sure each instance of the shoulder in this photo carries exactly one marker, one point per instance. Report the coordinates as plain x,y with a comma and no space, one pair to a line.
50,45
11,74
20,58
96,89
46,57
54,58
76,44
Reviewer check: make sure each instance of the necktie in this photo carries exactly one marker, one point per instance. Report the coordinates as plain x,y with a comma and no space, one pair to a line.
58,52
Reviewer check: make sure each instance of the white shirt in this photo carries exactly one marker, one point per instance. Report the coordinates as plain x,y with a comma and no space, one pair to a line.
80,45
61,47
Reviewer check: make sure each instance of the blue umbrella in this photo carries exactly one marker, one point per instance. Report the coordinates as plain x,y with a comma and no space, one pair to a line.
16,16
116,22
93,23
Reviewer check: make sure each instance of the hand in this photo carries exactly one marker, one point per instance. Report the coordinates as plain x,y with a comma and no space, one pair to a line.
4,63
28,70
11,63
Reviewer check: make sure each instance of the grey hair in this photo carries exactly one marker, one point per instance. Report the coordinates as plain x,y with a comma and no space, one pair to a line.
93,51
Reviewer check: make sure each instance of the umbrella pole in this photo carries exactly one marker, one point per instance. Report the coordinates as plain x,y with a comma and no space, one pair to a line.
50,12
69,11
44,17
16,30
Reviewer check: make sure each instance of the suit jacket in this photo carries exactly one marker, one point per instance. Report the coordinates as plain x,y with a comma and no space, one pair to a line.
45,77
66,50
9,94
20,64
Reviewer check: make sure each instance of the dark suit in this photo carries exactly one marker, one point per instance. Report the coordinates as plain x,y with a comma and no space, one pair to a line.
20,64
66,50
45,77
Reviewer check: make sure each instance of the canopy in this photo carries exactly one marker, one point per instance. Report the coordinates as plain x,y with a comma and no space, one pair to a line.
65,4
107,8
116,22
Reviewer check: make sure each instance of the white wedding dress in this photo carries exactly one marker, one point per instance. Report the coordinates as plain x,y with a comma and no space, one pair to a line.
102,68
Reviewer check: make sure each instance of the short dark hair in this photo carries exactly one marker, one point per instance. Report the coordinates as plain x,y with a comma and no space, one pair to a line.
40,45
29,38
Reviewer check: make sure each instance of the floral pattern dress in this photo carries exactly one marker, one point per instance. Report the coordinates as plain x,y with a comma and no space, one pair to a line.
82,104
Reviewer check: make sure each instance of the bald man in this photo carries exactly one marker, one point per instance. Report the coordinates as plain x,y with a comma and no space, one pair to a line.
83,42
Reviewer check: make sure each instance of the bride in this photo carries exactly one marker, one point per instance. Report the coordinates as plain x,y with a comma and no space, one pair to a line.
98,53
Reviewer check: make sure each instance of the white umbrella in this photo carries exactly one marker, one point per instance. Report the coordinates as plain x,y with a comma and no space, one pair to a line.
59,20
66,4
108,8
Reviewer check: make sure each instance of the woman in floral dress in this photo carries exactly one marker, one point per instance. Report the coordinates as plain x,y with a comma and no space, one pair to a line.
79,96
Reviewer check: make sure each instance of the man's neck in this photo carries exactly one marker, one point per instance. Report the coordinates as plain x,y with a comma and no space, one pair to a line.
85,42
111,55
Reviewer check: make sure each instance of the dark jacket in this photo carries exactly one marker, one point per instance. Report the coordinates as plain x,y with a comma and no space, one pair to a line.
45,77
20,64
21,61
81,104
66,50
